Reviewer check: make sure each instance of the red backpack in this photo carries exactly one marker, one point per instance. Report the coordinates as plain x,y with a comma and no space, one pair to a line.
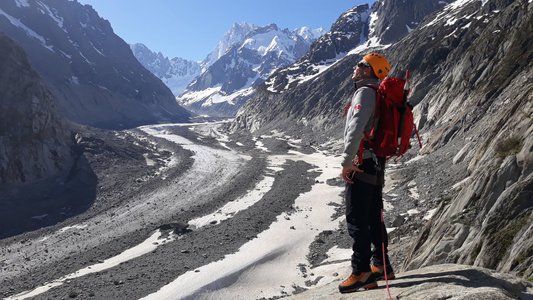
393,120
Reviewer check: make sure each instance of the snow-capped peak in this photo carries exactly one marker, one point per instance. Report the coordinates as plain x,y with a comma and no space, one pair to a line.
176,73
245,64
234,36
271,41
309,33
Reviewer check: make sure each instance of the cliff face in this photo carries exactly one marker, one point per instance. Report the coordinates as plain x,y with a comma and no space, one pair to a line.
476,101
396,18
91,71
34,141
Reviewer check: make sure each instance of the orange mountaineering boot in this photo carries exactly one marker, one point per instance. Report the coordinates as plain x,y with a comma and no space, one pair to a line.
378,273
363,280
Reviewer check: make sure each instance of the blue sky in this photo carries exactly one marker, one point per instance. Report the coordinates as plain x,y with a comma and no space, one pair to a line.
191,28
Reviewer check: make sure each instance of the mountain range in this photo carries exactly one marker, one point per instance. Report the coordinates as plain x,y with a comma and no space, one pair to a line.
91,71
176,73
223,81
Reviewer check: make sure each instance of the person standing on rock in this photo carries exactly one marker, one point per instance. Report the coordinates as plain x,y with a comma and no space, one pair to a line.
364,177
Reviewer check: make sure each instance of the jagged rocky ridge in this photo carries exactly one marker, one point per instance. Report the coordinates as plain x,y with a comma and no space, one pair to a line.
349,30
176,73
90,70
394,19
227,83
472,64
235,35
446,281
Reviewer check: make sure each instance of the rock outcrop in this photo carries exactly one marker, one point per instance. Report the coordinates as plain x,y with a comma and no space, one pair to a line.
475,100
34,140
44,177
436,282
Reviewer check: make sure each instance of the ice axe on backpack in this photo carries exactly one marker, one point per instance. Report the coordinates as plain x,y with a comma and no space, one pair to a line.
406,90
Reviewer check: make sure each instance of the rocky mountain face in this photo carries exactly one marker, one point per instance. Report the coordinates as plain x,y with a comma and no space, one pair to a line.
471,62
475,101
34,141
44,177
391,20
355,30
227,83
176,73
90,70
350,30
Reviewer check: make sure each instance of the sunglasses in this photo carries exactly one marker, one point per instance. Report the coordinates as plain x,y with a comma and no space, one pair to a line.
363,64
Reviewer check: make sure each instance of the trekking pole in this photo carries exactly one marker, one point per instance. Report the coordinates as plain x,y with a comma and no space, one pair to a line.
383,253
402,108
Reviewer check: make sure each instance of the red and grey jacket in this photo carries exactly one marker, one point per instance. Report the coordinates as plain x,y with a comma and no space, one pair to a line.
359,119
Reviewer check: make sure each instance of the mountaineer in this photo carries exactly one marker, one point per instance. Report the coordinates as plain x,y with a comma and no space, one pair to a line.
363,172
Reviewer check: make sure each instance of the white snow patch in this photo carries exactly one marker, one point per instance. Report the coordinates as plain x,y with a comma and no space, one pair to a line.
53,15
335,254
220,97
39,217
413,193
418,157
413,211
283,246
272,41
467,25
449,13
430,213
22,3
259,145
372,23
233,207
96,49
86,60
461,183
72,228
149,162
147,246
16,22
74,80
191,97
202,156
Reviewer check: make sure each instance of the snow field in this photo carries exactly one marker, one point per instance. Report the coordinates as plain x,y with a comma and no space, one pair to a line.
145,247
255,270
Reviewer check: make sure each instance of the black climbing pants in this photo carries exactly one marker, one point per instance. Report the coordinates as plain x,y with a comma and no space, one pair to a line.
363,215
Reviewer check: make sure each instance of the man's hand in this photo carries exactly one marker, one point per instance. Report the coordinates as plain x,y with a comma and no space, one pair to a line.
347,172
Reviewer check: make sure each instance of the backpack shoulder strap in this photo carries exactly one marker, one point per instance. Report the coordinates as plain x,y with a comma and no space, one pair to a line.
372,86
